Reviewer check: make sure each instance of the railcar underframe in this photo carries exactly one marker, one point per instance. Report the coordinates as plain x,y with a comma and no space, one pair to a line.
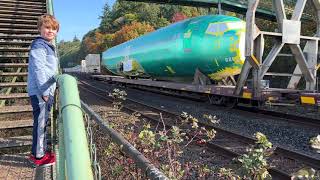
217,94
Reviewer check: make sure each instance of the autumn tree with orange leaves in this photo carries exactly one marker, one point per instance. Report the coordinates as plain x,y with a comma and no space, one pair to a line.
97,43
131,31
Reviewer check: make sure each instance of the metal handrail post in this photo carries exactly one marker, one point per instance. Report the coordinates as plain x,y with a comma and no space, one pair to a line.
61,162
50,7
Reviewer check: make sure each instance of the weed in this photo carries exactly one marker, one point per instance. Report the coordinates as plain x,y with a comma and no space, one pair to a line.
315,143
252,165
309,173
118,97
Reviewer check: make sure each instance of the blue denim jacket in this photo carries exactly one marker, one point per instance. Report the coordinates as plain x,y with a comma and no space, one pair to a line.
43,66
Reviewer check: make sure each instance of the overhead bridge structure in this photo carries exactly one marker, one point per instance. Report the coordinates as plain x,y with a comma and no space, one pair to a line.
264,11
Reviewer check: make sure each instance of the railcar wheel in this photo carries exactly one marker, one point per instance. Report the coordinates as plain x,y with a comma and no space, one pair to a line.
216,100
230,102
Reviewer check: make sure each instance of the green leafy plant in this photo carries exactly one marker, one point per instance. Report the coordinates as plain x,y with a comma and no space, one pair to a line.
315,143
204,171
309,173
253,165
165,146
147,136
119,97
201,133
227,173
306,174
211,119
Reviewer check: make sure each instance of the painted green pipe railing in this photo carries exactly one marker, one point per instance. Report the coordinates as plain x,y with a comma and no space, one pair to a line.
50,7
73,160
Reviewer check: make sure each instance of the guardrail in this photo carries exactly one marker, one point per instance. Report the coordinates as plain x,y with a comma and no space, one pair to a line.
73,159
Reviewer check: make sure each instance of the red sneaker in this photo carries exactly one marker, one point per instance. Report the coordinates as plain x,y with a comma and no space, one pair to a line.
47,160
31,158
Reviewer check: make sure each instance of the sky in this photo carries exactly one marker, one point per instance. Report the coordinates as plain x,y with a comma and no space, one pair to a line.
77,17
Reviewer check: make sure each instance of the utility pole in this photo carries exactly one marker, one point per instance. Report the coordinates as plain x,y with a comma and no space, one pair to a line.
219,7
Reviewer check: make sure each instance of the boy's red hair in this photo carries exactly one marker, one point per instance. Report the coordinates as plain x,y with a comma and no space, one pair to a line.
48,20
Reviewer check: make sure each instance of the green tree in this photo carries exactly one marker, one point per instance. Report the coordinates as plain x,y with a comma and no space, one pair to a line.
75,39
68,52
106,19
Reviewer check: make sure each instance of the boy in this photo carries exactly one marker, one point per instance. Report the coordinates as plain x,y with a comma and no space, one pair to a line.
43,66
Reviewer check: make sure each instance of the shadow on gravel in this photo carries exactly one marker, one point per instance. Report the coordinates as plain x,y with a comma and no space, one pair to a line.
15,160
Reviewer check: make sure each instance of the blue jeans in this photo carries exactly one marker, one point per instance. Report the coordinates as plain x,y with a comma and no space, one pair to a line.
41,111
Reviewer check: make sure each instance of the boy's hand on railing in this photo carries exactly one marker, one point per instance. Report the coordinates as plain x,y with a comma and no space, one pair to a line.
56,77
45,98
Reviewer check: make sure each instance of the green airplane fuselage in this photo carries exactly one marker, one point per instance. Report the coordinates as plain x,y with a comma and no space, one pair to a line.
212,44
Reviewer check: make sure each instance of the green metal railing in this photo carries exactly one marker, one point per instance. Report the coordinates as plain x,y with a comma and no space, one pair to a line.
73,159
50,7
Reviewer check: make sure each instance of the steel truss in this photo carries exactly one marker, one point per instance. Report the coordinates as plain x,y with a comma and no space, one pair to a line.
289,32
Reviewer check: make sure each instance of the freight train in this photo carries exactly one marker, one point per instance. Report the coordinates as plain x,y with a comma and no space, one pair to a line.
214,45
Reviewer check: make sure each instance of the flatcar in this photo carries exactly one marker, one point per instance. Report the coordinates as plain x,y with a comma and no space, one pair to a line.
214,45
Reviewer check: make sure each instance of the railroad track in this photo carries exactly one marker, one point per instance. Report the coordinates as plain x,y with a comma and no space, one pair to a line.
238,143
